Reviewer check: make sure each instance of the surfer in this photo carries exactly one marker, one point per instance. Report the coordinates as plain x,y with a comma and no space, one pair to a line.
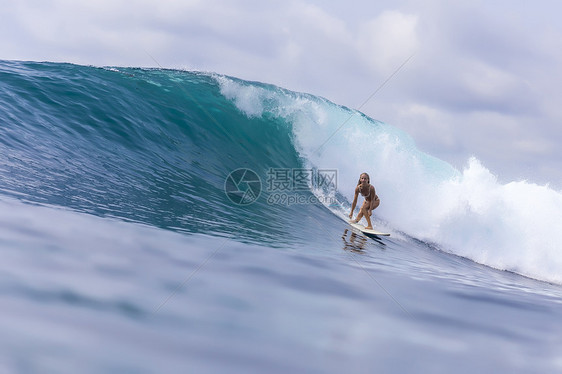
371,202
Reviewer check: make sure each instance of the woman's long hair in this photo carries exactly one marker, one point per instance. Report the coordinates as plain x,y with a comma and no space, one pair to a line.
368,178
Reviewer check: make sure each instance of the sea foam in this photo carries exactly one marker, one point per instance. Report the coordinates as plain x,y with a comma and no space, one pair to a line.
512,226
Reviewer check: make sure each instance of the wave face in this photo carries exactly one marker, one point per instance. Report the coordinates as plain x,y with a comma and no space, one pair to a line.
157,146
468,213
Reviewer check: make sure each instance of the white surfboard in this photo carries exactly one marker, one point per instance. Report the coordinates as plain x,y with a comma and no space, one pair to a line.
367,231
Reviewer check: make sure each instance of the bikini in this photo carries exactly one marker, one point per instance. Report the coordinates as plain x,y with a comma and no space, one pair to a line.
366,196
361,190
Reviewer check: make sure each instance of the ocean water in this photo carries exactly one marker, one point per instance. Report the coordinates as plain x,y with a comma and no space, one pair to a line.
162,221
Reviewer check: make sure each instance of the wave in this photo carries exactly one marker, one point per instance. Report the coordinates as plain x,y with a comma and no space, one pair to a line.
511,226
157,146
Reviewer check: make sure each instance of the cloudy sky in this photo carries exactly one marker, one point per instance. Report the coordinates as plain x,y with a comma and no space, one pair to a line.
484,78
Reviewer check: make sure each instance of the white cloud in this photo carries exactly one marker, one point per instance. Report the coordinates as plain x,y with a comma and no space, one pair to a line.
387,40
488,82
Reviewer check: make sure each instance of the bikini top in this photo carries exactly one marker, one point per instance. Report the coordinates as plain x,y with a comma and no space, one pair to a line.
361,191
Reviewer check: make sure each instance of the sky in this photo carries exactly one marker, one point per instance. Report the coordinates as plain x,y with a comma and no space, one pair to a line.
467,78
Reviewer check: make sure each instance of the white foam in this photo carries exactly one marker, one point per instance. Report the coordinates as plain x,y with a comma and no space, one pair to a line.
512,226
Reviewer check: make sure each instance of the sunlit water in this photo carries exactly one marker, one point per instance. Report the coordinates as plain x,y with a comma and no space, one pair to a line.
121,252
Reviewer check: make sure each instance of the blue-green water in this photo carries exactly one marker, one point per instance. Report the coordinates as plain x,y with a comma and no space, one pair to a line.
123,253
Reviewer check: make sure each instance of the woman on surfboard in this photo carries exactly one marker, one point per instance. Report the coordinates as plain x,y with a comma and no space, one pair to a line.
371,202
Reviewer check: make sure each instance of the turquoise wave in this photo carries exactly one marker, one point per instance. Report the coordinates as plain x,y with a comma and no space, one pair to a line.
159,147
160,221
152,146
